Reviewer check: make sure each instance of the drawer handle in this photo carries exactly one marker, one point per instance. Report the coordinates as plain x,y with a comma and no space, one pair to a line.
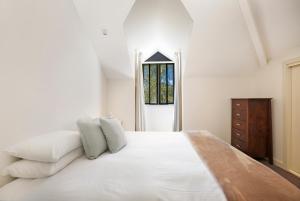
238,104
238,114
237,124
238,146
238,134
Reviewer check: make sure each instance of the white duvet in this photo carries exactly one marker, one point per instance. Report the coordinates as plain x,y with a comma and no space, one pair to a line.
152,167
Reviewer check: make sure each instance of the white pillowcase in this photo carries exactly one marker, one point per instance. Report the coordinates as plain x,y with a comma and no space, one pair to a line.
5,160
33,169
48,147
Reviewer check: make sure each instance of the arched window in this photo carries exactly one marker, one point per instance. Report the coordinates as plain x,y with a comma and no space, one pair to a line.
158,73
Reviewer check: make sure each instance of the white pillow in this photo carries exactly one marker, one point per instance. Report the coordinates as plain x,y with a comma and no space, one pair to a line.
34,169
5,160
48,147
114,133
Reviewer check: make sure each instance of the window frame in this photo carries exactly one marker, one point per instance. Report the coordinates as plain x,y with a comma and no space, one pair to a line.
158,79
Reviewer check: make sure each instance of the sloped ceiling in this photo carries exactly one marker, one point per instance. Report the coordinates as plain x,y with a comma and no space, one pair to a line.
157,25
112,50
278,22
219,44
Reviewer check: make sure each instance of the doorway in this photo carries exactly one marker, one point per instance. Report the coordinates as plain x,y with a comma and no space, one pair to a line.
293,117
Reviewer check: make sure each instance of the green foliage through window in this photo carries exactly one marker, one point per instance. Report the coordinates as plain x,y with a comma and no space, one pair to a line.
159,83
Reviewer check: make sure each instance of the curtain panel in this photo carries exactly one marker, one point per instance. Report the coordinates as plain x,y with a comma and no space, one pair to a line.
177,126
140,123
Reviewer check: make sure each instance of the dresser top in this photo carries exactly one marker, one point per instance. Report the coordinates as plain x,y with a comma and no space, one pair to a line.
251,98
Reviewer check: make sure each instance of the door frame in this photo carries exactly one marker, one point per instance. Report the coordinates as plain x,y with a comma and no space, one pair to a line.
287,107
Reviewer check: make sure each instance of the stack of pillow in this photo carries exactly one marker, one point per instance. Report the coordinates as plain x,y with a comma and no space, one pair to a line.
44,155
98,135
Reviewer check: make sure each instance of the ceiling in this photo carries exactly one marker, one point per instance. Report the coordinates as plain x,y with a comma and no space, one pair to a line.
220,42
112,49
278,22
214,35
158,25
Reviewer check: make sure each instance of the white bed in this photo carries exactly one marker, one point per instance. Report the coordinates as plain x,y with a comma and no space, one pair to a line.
152,167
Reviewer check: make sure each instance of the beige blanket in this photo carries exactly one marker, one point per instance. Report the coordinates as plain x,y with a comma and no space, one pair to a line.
241,177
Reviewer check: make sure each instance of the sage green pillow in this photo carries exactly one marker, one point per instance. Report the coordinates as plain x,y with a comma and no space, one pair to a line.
114,134
93,140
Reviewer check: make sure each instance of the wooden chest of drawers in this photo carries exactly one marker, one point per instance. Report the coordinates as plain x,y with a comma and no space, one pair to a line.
251,130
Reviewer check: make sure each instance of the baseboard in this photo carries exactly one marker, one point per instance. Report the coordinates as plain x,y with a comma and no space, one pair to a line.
294,173
280,164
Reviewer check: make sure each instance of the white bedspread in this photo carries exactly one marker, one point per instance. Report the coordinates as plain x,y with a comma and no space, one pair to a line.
152,167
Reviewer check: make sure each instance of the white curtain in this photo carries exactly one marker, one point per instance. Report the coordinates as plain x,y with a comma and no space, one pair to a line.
178,93
139,94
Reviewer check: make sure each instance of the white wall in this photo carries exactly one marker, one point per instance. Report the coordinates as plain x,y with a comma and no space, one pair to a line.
121,104
269,83
206,102
121,101
157,25
103,99
49,72
159,117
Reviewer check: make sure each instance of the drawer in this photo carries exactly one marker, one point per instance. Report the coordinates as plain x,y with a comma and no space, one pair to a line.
239,104
239,144
238,124
241,135
239,114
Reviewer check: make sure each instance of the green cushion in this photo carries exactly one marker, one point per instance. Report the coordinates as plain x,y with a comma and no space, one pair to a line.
114,134
93,140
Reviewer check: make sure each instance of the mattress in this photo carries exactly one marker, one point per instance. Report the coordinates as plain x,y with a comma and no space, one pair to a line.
152,167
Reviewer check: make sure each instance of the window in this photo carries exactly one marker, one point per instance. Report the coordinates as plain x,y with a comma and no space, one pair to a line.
158,83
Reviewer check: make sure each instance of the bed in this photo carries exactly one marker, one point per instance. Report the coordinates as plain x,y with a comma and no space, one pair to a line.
160,167
152,167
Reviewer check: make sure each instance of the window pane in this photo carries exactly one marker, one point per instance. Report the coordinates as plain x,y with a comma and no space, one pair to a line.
163,84
170,83
146,83
153,84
